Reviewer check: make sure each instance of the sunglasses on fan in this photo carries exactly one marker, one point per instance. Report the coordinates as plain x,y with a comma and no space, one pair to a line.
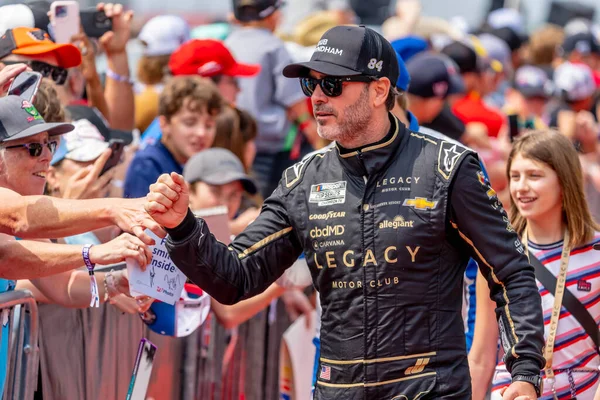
36,149
330,85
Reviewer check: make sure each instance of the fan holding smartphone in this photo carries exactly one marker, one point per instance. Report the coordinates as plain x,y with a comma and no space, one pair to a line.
7,75
64,20
25,85
95,23
117,146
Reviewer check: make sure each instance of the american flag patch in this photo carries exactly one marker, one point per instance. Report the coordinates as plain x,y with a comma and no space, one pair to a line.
325,373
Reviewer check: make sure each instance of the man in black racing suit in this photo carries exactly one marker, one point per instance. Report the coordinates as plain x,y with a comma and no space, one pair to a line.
388,219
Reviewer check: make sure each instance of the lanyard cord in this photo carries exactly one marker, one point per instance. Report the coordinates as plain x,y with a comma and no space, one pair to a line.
561,280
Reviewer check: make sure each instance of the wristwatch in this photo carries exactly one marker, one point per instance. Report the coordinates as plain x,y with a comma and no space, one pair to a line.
535,380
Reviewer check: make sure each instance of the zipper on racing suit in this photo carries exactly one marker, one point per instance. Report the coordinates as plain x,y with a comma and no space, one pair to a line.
362,244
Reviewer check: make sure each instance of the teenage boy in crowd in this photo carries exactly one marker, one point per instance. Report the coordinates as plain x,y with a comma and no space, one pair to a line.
187,111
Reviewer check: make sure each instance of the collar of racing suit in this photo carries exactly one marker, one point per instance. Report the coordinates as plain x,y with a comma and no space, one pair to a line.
370,159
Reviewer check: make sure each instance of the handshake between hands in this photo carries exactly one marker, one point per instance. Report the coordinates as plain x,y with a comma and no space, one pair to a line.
134,217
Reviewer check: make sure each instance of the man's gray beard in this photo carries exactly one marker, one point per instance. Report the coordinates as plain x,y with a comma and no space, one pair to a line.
356,121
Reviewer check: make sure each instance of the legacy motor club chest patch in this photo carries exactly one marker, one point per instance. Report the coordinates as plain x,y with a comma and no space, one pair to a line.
326,194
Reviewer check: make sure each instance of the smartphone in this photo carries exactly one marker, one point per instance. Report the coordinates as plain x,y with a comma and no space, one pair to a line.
64,20
95,23
513,125
25,85
117,146
142,370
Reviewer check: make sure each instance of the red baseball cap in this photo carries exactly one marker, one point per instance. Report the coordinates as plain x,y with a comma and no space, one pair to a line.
208,58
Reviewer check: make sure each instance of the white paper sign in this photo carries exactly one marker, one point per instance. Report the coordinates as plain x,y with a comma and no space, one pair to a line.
162,280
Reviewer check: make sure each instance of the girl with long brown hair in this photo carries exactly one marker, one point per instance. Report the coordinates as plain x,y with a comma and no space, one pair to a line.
549,211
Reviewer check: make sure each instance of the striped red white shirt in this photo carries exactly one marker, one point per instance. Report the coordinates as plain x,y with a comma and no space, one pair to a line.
573,349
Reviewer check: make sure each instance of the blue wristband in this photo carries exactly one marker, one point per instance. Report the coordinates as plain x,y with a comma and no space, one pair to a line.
85,253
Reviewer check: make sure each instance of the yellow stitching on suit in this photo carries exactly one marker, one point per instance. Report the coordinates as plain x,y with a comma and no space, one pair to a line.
423,138
377,360
374,384
505,294
258,245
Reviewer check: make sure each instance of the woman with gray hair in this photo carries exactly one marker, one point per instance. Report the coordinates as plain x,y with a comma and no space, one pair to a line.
27,143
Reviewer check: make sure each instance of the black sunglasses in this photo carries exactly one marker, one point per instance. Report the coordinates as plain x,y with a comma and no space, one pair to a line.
330,85
36,149
57,74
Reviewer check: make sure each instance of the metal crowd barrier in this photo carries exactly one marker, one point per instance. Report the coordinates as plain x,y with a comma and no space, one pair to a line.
23,351
103,343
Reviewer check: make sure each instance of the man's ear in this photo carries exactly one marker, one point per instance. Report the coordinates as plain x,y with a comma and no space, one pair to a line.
381,88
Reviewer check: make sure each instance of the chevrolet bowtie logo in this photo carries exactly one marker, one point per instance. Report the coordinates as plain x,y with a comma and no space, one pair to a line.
420,203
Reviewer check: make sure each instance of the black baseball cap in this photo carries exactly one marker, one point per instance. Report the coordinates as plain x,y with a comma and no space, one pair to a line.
217,166
464,56
20,119
255,10
92,114
350,51
583,42
434,75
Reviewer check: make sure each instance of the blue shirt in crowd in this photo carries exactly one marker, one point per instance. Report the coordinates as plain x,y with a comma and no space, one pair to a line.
145,168
152,134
